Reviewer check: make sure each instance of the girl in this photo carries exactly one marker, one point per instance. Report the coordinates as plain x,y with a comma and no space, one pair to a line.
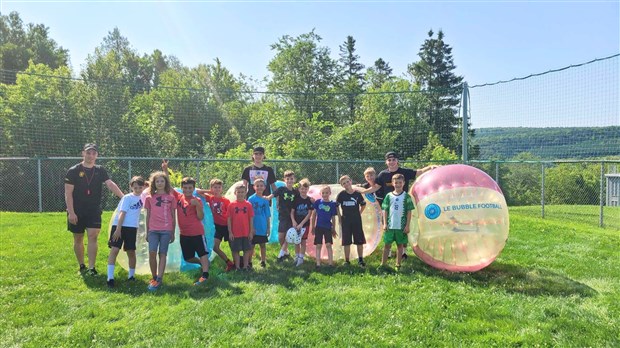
160,225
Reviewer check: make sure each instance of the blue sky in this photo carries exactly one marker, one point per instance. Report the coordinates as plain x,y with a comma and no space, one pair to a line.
491,40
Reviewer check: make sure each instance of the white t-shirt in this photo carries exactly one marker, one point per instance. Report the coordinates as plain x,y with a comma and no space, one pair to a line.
131,205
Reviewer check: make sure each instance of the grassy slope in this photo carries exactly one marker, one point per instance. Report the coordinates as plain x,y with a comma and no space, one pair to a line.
557,282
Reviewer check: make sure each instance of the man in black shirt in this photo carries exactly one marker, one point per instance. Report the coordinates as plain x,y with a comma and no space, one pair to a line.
83,197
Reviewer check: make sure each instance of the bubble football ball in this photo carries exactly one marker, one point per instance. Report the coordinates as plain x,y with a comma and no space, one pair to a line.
462,218
292,237
371,222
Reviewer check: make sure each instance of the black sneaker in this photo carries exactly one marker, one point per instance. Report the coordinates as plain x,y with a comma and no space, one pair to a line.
280,259
131,279
361,263
262,264
405,256
92,272
82,267
347,263
110,283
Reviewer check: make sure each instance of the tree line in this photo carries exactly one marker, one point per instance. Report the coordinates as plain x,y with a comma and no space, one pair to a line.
151,105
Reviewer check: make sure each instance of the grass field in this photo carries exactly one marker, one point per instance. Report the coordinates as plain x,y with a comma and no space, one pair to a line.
557,283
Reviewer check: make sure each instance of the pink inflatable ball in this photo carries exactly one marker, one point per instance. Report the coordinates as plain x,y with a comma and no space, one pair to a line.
371,222
461,219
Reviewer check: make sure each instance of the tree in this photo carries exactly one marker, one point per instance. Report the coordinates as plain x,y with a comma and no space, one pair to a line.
353,79
306,73
19,45
379,73
434,73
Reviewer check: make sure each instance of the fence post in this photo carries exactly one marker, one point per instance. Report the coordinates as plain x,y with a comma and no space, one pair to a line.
39,185
337,171
198,171
465,121
600,219
497,172
542,190
129,170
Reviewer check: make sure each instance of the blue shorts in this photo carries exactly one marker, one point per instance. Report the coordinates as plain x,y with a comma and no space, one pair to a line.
159,240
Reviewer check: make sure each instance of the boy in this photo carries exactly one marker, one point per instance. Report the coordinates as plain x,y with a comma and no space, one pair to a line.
192,232
219,209
300,218
262,213
352,205
286,196
240,226
323,225
259,170
397,206
125,229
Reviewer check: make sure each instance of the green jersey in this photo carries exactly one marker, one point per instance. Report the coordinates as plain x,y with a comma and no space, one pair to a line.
397,207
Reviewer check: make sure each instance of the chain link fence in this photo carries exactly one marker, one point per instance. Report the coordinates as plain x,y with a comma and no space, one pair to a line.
558,188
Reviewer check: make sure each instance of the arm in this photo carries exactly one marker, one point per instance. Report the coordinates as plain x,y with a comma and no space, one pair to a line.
312,221
230,235
295,225
362,207
174,224
203,192
384,213
374,188
69,200
334,234
408,222
148,218
119,225
425,169
114,188
268,227
199,209
252,231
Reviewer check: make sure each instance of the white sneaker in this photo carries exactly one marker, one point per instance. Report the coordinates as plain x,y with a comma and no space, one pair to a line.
300,260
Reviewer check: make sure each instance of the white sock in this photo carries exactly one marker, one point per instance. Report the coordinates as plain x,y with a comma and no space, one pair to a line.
110,272
281,253
132,272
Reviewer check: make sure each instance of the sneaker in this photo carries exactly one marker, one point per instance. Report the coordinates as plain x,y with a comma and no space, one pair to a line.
287,256
82,267
262,264
201,281
347,263
110,283
92,272
280,259
131,279
405,256
300,260
361,263
229,266
154,285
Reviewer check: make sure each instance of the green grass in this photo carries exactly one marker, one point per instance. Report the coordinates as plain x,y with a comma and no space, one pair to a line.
557,283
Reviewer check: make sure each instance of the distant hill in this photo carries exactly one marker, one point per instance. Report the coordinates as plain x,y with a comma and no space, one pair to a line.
549,143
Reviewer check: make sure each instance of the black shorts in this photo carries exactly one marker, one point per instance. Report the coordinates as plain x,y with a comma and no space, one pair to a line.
284,225
320,232
240,244
192,245
127,240
352,232
221,232
259,240
90,220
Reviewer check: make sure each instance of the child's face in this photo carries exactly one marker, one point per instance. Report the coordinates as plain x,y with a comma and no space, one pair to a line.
392,163
346,183
398,184
188,190
303,191
160,183
325,193
240,193
137,188
289,180
259,187
216,189
370,177
258,157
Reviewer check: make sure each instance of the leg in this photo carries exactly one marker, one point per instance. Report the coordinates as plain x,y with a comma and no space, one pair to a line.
399,255
194,260
386,251
236,258
131,258
263,252
246,259
113,254
218,251
204,263
93,234
153,263
317,248
360,250
347,252
162,265
78,247
330,254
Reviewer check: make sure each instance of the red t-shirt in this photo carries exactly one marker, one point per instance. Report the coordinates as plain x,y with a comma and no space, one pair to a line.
219,208
240,214
189,223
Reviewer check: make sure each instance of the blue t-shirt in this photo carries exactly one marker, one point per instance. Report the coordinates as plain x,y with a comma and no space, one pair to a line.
262,213
324,213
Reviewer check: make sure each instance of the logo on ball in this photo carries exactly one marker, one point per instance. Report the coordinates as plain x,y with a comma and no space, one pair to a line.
432,211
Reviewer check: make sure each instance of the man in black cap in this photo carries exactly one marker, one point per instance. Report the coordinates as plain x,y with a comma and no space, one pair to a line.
384,179
83,197
259,170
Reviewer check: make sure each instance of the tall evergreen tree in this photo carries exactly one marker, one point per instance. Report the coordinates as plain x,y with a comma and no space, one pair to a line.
434,73
379,73
353,79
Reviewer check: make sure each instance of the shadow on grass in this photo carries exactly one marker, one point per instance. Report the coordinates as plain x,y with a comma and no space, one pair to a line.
529,281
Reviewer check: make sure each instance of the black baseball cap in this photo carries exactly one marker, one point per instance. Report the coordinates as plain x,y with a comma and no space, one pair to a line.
90,146
259,149
391,154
